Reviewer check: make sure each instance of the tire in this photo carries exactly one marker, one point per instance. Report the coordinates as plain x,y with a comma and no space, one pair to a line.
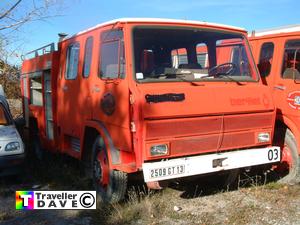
288,171
110,184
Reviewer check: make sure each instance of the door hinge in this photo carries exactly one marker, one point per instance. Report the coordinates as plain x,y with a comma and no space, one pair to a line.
132,127
131,99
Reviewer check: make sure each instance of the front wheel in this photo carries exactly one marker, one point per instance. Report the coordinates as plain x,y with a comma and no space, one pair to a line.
110,184
289,168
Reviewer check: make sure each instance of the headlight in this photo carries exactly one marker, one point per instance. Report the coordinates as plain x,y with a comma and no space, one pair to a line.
13,146
263,137
157,150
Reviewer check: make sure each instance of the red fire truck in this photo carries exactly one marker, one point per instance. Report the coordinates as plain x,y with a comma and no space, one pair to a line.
277,53
115,97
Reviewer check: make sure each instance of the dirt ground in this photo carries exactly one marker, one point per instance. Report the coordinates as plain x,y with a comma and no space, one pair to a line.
201,201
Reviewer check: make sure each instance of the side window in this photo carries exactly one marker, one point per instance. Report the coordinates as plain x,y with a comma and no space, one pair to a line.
112,57
87,57
291,60
265,59
36,95
72,61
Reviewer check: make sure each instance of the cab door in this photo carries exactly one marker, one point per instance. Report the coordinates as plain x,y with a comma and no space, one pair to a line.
287,84
110,92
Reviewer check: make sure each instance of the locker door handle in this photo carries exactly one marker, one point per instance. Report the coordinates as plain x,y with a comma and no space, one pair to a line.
280,87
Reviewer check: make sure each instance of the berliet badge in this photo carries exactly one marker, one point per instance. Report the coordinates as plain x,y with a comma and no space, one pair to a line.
297,100
293,99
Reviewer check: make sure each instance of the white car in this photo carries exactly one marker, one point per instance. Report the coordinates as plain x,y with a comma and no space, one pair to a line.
12,154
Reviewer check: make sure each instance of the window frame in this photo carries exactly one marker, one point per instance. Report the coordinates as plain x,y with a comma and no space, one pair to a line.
31,88
67,60
281,66
141,81
120,41
260,51
88,39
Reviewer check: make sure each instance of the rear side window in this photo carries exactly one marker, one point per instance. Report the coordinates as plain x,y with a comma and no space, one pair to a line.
36,94
202,56
112,57
72,61
291,60
87,57
179,57
265,59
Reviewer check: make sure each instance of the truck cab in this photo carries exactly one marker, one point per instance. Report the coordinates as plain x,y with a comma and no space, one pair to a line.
277,54
118,97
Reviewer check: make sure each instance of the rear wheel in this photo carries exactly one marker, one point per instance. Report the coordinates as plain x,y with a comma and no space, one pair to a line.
288,171
110,184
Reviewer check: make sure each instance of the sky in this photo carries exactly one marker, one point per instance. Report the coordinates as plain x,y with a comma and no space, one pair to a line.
77,15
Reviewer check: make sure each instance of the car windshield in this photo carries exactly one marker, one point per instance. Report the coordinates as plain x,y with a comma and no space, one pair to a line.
4,119
181,54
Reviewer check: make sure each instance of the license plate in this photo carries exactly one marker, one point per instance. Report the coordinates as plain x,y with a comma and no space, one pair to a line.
167,171
273,155
209,163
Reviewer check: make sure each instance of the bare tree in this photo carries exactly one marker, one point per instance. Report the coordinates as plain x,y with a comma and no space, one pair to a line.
23,11
14,15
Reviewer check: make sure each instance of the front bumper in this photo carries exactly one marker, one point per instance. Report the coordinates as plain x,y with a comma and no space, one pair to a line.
11,164
209,163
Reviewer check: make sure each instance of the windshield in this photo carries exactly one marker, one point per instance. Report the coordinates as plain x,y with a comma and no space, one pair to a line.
4,119
181,54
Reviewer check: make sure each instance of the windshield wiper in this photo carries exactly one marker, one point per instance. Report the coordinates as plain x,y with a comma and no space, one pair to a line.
223,75
178,75
230,78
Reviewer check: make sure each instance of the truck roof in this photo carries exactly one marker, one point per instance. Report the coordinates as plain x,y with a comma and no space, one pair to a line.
278,30
158,20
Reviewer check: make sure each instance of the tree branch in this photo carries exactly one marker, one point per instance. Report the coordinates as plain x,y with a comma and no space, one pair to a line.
10,9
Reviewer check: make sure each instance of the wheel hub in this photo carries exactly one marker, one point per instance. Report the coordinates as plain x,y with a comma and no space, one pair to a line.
101,169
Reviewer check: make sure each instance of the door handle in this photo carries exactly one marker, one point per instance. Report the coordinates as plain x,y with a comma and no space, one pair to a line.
280,87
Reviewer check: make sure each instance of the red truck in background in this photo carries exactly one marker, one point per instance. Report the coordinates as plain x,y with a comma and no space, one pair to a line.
277,54
115,97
